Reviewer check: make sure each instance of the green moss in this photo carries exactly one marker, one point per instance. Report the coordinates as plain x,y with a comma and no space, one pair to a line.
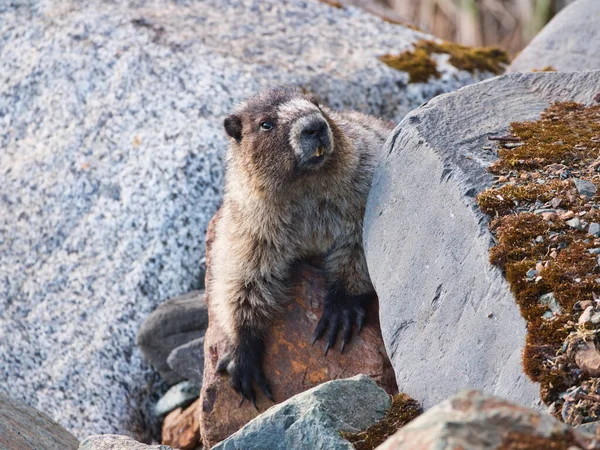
567,134
402,410
420,66
417,63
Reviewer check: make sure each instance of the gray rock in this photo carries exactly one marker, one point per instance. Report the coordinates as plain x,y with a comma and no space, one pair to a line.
313,419
179,396
435,284
477,421
569,43
589,428
112,164
585,187
175,322
594,229
188,361
25,428
575,223
117,442
550,301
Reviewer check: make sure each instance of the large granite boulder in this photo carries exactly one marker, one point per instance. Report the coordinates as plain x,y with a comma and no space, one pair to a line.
569,43
25,428
292,364
476,421
314,419
111,166
448,318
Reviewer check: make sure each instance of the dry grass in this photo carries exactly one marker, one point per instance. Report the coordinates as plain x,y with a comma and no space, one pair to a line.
508,24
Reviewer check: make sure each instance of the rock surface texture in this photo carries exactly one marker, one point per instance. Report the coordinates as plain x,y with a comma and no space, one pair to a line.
569,43
475,421
448,318
25,428
117,442
175,322
312,419
291,364
180,428
112,162
188,360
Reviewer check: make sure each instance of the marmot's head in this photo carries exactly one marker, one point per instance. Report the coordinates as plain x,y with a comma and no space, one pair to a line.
280,135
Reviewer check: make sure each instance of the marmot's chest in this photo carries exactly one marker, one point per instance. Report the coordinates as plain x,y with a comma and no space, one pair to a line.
322,223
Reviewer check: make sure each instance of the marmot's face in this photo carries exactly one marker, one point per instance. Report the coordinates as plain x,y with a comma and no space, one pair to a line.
279,136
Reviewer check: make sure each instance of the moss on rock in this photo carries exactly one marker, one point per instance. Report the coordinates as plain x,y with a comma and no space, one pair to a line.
420,66
540,222
402,410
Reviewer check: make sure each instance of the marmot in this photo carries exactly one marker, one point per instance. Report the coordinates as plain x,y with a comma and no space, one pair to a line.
296,184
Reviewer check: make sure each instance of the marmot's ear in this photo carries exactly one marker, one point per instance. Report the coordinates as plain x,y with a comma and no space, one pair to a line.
233,126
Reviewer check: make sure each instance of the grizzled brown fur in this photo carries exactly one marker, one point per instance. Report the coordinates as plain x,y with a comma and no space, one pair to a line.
297,179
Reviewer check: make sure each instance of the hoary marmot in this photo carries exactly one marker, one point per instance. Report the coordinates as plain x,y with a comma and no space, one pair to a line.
296,184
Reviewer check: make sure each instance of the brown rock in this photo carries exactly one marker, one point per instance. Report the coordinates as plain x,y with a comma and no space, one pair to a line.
586,316
587,358
568,215
180,428
476,421
25,428
291,364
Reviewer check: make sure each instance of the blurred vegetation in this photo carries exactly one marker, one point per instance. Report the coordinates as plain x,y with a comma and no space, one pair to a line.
508,24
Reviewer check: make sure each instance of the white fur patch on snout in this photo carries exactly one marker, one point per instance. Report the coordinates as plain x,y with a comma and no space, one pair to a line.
299,125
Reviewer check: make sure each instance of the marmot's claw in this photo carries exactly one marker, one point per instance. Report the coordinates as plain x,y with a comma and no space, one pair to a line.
336,316
245,370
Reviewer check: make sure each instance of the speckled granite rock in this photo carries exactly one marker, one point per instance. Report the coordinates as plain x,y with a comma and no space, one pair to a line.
111,166
24,428
569,43
176,322
117,442
448,318
313,419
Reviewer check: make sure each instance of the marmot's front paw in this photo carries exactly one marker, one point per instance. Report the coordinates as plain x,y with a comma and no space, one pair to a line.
341,313
244,366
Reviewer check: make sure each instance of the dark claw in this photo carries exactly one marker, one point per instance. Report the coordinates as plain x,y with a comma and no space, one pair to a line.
360,319
321,326
346,330
341,311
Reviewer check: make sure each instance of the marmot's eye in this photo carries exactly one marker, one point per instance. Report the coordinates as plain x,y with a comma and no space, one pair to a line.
266,126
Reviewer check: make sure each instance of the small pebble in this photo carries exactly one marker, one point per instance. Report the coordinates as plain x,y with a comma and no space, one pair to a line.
584,187
586,316
539,239
531,274
568,215
574,223
594,229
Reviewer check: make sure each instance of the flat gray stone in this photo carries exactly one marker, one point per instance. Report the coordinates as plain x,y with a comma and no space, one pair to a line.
117,442
568,43
448,318
585,187
25,428
175,322
313,419
187,361
111,130
179,396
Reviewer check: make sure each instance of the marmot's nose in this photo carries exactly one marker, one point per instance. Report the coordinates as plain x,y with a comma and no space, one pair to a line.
316,128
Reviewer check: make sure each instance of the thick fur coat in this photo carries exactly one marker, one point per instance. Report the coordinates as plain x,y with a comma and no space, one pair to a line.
297,179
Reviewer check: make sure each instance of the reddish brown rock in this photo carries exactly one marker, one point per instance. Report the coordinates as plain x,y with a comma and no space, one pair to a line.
476,421
291,364
587,358
180,428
